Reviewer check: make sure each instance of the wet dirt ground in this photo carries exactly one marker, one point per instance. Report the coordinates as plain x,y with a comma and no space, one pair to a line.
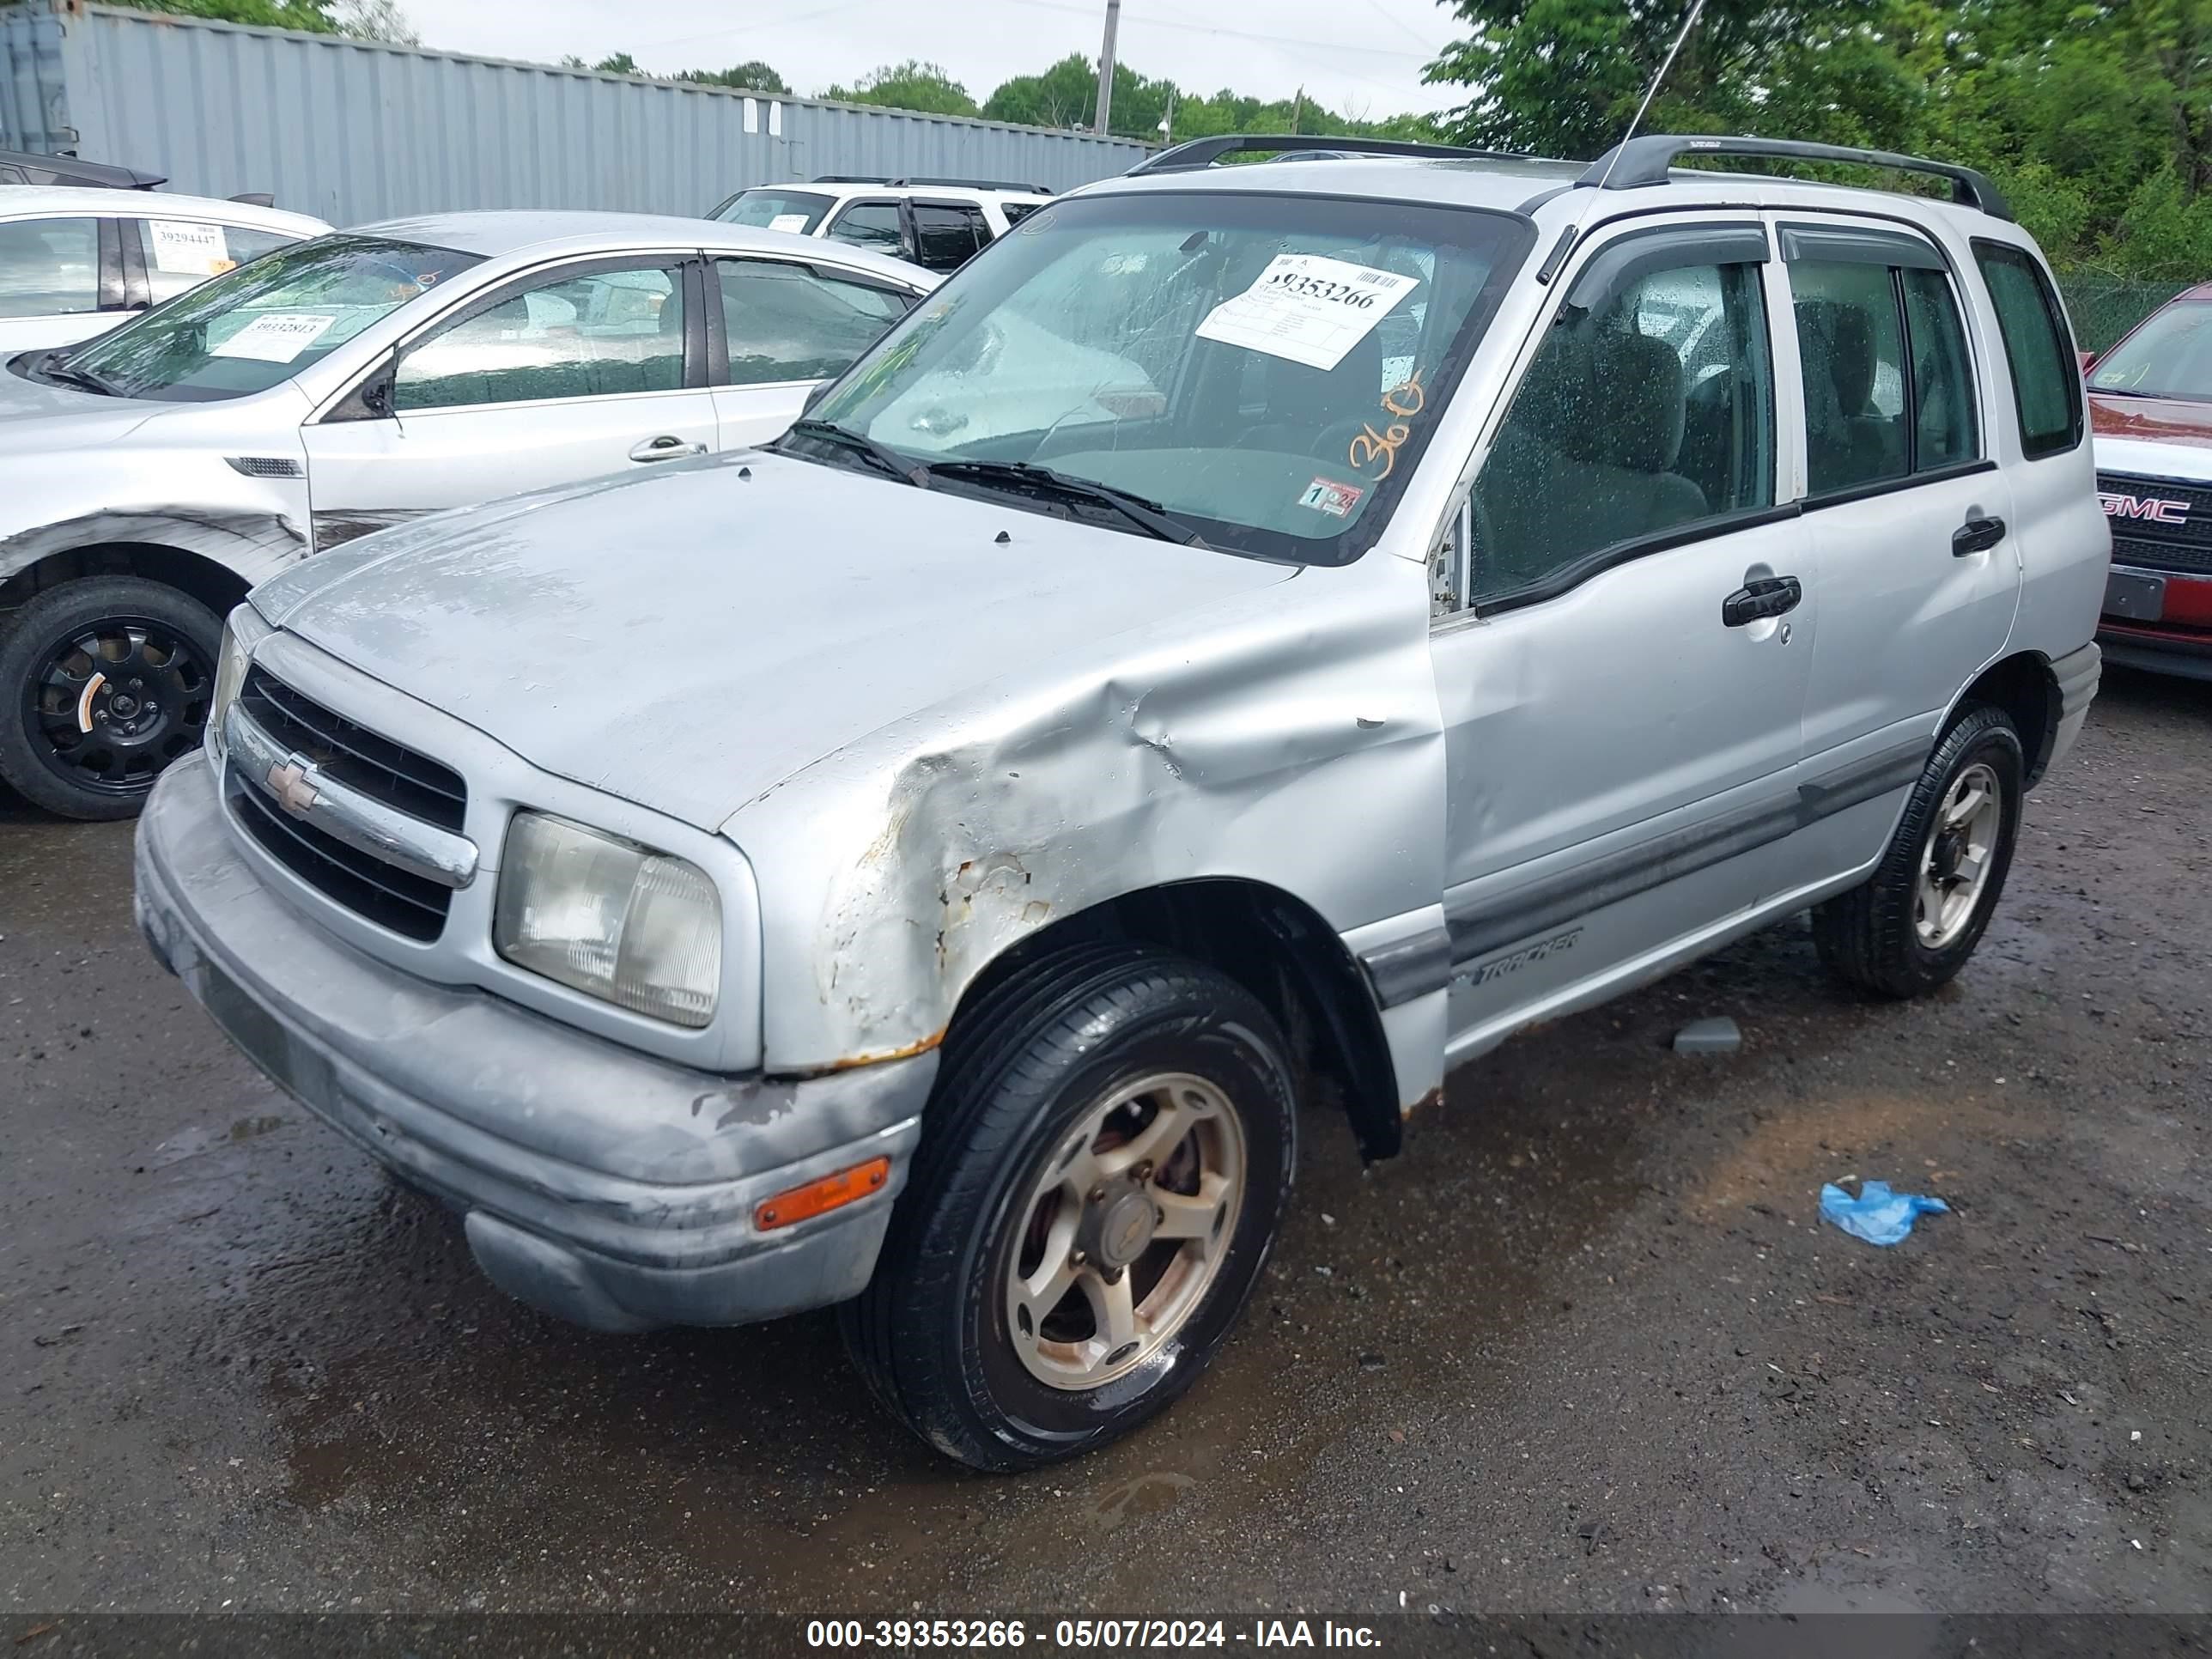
1585,1347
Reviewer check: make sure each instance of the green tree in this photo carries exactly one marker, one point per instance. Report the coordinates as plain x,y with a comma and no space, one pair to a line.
1062,96
312,15
377,19
912,85
2095,116
752,77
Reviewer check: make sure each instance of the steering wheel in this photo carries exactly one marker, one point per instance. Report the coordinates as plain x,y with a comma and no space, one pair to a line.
1334,443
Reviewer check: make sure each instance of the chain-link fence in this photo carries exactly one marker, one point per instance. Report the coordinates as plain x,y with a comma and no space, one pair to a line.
2105,307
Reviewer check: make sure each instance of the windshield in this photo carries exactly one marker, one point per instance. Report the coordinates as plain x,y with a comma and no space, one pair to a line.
795,211
1266,368
2169,356
264,322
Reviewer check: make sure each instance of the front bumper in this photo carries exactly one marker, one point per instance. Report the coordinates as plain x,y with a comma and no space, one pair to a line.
2173,636
612,1188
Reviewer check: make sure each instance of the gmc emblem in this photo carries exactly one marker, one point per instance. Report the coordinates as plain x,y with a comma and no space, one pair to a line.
2152,508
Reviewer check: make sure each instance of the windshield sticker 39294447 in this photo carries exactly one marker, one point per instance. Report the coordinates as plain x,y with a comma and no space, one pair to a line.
1308,309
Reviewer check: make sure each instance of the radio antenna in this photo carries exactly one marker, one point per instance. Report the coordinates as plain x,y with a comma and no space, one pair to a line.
1697,10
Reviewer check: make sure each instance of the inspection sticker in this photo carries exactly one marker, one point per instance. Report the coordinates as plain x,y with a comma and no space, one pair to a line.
276,336
791,222
1309,309
1326,495
189,250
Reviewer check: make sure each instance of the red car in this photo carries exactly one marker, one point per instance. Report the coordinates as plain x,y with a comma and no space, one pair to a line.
2150,402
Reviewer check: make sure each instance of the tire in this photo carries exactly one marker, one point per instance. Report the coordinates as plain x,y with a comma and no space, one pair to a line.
52,747
1875,936
935,1333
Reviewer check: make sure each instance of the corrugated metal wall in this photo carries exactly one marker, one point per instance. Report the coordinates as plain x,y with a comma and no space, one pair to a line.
354,132
32,115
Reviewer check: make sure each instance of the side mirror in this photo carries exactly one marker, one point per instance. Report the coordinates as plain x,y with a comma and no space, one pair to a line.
376,395
2088,360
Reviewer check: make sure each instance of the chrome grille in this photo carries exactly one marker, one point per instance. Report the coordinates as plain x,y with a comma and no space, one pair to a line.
2153,544
365,872
396,775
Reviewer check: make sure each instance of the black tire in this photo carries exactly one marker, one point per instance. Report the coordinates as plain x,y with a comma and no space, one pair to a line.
1867,936
84,778
1020,1069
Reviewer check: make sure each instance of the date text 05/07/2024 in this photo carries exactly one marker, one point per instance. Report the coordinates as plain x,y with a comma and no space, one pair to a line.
1110,1634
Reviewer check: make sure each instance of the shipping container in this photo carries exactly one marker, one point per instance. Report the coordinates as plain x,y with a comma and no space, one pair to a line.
354,130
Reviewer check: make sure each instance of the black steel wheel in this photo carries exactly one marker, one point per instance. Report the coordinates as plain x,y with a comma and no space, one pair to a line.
107,682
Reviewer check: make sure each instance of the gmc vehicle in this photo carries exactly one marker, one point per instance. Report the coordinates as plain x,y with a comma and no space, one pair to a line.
2150,405
921,863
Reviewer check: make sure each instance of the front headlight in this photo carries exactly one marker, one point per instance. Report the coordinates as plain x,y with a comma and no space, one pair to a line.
229,675
609,918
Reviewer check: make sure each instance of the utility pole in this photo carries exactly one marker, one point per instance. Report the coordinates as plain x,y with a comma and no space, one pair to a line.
1106,66
1167,122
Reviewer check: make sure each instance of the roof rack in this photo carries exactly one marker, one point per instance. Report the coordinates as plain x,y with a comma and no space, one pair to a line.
914,183
68,170
1205,152
1647,160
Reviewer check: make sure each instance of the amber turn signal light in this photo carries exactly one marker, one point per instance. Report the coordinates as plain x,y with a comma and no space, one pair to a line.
819,1197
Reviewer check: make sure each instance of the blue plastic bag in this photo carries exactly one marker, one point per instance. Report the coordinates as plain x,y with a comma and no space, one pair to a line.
1877,1215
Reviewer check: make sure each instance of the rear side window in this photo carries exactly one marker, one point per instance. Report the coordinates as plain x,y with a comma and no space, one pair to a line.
1647,408
182,253
49,267
785,322
1889,389
1945,431
2046,382
946,238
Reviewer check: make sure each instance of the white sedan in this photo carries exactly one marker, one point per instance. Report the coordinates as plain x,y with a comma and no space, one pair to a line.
77,261
149,478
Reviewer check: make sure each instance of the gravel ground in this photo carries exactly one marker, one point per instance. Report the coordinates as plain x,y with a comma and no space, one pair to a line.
1585,1348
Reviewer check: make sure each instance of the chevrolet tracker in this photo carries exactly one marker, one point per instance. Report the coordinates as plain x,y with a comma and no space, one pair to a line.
1254,625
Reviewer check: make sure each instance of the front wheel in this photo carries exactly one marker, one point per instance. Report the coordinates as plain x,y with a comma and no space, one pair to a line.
1913,925
1103,1166
103,683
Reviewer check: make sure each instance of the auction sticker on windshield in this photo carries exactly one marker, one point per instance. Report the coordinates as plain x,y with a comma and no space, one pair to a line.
276,337
791,222
1308,309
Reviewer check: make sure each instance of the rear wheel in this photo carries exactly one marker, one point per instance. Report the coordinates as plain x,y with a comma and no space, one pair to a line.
1106,1159
1913,925
103,683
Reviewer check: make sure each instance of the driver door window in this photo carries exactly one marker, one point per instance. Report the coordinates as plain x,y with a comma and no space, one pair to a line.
1650,411
871,224
603,334
580,374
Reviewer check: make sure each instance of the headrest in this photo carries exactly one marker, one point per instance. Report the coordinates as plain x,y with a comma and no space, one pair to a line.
1852,364
1637,410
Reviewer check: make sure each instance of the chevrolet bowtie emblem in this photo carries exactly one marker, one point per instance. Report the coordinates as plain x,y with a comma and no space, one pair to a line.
288,783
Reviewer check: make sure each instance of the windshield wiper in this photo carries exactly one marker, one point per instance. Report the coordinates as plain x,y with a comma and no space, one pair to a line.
829,431
84,377
1149,515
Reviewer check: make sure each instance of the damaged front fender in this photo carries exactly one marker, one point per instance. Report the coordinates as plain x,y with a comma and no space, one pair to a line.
1290,738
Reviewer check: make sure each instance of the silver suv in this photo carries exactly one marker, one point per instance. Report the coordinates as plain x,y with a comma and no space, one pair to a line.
1254,625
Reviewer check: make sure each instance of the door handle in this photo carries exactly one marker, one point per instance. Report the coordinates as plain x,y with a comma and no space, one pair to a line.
1977,536
665,447
1769,596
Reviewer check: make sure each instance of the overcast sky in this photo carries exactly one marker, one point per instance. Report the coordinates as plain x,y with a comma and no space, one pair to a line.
1364,56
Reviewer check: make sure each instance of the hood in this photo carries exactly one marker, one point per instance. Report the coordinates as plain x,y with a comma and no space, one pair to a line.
2153,437
2152,420
690,639
37,417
